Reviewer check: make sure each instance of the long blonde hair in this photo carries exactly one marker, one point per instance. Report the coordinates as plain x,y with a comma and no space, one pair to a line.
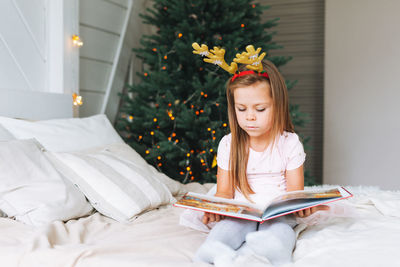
239,152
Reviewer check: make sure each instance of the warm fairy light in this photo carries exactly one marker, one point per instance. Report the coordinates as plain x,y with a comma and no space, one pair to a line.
77,99
242,25
165,57
209,129
253,6
159,157
192,178
152,133
205,95
172,118
181,173
214,138
180,35
155,49
159,164
145,74
158,146
155,119
202,160
76,40
164,68
213,131
169,138
188,168
169,104
224,124
147,152
197,112
176,141
140,137
202,93
173,134
201,111
188,155
211,150
217,104
131,117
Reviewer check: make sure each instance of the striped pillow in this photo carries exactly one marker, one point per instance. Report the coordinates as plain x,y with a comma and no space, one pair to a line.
116,187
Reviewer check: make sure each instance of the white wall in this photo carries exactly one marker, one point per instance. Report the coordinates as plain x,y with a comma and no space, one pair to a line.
38,64
362,93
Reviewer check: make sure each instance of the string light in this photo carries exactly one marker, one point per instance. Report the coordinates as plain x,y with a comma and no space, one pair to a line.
180,35
147,152
155,119
77,100
76,40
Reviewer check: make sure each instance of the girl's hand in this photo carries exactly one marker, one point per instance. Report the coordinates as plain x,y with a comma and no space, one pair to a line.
211,217
309,211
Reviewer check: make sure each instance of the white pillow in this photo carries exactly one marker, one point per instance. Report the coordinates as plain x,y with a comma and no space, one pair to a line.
116,187
5,135
65,135
128,153
31,189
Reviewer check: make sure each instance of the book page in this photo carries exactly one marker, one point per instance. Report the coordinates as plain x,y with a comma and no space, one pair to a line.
309,194
218,205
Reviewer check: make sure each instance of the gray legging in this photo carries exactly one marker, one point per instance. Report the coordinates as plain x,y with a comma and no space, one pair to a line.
233,232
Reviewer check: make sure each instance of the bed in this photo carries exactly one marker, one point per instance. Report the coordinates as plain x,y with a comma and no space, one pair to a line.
71,220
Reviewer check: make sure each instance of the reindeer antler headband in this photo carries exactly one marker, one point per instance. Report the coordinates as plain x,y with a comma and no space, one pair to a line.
250,58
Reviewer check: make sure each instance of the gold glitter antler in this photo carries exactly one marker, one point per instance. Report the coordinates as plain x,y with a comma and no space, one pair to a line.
215,56
251,58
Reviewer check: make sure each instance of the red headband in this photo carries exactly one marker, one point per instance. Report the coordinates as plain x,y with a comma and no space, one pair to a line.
243,73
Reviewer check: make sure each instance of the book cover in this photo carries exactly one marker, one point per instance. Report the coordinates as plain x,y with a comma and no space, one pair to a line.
287,203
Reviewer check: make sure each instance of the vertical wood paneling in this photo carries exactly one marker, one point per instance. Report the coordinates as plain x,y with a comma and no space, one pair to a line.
301,32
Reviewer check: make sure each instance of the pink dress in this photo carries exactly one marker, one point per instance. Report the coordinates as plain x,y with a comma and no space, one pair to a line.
266,169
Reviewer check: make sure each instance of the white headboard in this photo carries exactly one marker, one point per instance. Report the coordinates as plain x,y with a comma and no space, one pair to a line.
35,105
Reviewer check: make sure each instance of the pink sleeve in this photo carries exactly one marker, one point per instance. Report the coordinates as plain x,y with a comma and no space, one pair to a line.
224,148
294,152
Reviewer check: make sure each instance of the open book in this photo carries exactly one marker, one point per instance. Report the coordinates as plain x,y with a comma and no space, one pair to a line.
286,203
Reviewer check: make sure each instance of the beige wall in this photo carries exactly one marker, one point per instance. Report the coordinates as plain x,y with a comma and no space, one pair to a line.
362,93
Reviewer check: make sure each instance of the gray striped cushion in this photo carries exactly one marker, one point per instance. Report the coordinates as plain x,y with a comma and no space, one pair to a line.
116,187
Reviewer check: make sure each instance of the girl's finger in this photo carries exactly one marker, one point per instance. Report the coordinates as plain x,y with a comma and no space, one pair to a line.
212,217
307,212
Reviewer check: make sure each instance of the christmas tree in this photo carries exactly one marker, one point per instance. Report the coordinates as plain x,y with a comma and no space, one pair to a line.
176,115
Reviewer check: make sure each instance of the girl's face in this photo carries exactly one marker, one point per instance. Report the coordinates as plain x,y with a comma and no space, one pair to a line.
253,106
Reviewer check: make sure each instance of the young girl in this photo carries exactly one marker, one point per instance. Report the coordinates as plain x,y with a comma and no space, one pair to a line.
260,158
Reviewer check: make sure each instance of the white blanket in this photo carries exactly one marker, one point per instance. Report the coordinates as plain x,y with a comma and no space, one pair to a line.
155,238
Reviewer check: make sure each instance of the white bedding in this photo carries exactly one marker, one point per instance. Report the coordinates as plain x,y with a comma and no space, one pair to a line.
155,238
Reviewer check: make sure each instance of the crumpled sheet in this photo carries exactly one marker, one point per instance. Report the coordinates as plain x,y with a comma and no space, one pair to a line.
155,238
